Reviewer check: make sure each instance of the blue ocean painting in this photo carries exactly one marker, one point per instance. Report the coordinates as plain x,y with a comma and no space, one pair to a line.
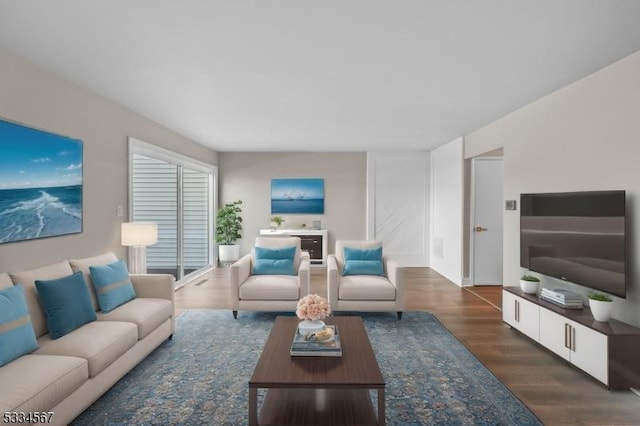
297,196
40,184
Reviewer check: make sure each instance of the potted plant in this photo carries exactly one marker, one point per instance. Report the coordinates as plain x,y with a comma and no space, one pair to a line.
529,284
228,227
601,306
276,221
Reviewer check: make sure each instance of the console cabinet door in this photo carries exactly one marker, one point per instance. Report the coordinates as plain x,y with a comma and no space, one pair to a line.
509,309
590,352
529,318
555,333
521,314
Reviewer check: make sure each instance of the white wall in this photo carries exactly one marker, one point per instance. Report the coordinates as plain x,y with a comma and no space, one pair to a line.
447,200
247,176
585,136
37,98
398,204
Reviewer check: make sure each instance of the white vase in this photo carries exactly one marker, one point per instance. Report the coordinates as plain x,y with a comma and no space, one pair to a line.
529,287
228,253
601,309
308,326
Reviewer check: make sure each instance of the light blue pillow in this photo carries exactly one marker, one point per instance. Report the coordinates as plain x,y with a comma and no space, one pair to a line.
362,261
16,332
113,285
66,302
274,261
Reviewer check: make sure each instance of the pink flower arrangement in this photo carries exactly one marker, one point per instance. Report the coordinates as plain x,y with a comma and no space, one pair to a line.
313,307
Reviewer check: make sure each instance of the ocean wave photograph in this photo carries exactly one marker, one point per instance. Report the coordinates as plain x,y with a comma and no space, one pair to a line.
40,184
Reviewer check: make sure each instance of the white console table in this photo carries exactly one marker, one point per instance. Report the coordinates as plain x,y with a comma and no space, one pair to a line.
605,350
315,241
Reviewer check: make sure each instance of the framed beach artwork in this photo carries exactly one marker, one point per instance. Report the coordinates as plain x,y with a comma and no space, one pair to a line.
297,196
40,183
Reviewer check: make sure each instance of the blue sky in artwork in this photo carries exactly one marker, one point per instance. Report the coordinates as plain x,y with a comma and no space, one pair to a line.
310,188
31,158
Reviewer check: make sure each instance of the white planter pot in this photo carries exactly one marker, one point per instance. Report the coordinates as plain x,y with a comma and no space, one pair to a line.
228,253
529,287
601,310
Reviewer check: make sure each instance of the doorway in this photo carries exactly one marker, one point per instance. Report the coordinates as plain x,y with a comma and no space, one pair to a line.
487,200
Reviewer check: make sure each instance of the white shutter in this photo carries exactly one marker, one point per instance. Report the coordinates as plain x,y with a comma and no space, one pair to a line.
155,199
197,235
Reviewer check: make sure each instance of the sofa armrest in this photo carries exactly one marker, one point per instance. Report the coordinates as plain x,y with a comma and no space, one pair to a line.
395,274
239,272
160,286
304,275
333,278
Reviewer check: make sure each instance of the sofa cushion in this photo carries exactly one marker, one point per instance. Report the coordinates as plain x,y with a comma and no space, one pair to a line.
16,332
146,313
112,284
274,261
83,265
362,261
66,303
357,244
5,281
99,342
27,279
270,287
276,243
363,267
366,287
38,382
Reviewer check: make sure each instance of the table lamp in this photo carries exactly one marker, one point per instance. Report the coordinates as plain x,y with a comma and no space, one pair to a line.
139,235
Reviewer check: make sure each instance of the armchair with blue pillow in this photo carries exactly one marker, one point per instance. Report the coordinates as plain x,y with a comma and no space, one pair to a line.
272,278
360,278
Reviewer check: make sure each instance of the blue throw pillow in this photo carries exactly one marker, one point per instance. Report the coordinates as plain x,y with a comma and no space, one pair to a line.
113,285
16,332
363,261
274,261
66,302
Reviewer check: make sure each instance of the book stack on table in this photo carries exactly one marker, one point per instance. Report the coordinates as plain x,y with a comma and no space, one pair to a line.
309,345
564,298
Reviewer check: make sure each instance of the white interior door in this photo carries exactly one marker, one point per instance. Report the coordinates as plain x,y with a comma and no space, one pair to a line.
486,221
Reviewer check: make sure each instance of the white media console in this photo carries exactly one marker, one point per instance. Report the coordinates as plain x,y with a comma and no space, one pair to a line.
315,241
608,351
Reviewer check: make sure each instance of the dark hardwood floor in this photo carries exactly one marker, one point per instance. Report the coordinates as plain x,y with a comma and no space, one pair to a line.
556,392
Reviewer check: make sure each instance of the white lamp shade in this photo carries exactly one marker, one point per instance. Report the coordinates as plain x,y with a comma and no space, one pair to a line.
139,234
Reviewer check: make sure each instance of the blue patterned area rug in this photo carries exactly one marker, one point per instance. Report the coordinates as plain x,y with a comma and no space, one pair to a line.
201,376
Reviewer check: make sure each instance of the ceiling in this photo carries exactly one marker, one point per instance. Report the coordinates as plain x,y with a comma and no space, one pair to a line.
331,75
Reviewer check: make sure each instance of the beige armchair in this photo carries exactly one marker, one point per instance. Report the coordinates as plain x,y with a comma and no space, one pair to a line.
367,293
269,292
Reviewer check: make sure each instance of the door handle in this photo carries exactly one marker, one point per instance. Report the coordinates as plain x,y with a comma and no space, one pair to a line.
566,336
480,229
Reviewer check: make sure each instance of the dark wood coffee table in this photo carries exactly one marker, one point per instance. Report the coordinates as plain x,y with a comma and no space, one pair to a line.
317,390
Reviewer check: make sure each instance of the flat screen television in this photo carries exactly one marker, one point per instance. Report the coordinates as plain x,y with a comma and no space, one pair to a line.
577,237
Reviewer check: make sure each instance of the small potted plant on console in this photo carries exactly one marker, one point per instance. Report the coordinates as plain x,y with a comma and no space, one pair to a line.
276,221
529,284
601,306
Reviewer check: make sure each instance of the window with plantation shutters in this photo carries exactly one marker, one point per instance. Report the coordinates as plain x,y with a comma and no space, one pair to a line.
177,195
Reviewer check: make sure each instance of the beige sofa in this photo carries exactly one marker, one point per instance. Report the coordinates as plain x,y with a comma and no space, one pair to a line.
66,375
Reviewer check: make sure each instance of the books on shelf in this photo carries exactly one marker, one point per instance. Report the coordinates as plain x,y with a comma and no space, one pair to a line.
561,294
309,345
561,297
